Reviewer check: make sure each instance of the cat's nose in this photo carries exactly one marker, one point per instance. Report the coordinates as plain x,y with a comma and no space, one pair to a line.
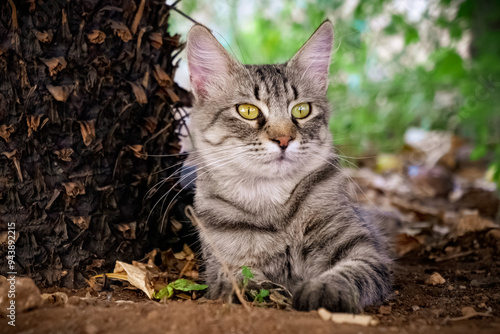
282,141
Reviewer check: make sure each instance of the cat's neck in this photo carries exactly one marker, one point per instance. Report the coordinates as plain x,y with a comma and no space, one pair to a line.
255,194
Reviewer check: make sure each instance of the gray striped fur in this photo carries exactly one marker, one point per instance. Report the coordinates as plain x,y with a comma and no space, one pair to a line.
290,219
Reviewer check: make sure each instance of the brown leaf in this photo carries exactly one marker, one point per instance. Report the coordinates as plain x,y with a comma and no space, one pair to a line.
405,244
138,16
121,30
156,40
162,77
60,93
138,277
138,151
471,221
96,37
172,95
55,65
64,154
74,189
150,123
82,222
33,123
88,131
6,131
44,36
96,263
139,92
15,158
128,229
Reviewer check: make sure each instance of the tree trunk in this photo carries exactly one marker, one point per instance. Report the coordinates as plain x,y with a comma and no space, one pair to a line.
86,97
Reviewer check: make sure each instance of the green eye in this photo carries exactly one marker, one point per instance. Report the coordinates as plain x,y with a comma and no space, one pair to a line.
301,110
248,111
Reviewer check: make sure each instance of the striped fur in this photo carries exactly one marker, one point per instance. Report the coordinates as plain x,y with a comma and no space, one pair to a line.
284,213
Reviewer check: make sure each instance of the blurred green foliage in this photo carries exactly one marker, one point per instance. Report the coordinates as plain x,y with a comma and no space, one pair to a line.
375,99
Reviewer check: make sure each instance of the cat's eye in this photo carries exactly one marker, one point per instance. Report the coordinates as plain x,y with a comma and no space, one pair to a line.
301,110
248,111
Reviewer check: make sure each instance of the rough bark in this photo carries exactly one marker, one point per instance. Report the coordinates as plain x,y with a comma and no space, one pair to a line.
86,97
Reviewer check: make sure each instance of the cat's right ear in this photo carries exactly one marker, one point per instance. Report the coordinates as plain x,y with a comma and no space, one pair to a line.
210,65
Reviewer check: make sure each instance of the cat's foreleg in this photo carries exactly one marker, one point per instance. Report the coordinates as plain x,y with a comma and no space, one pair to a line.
220,281
348,286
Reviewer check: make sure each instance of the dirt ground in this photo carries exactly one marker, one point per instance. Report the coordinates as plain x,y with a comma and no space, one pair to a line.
472,281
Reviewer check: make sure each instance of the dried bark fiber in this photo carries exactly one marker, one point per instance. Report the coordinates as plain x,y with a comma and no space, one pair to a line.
86,93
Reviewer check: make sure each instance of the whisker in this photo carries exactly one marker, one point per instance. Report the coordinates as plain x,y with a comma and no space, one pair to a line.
226,159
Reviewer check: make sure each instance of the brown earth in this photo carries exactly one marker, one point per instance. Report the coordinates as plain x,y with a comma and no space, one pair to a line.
472,280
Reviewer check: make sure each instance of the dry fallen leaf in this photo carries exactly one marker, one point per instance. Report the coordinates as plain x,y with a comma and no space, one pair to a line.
44,36
471,221
469,312
74,189
64,154
33,122
150,123
121,30
156,40
138,151
139,93
96,37
60,93
15,158
162,77
172,95
135,276
83,222
6,131
88,131
406,243
128,229
55,65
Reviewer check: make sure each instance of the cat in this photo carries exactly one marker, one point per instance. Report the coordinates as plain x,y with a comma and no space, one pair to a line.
269,188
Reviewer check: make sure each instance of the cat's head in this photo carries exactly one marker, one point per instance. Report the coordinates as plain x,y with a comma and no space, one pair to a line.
266,120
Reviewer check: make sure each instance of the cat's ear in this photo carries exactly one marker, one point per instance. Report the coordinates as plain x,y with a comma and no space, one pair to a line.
210,65
312,61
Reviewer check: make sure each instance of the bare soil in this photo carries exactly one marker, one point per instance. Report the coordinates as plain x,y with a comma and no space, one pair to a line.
472,280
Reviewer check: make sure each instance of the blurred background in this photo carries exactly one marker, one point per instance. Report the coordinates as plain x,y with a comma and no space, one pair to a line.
400,68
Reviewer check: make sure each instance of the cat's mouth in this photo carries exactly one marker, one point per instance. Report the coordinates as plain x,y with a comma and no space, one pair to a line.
282,158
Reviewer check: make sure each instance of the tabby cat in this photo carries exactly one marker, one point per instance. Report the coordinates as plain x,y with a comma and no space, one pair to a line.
269,190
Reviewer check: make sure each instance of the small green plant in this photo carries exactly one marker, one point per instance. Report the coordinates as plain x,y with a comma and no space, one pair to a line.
247,276
180,285
263,293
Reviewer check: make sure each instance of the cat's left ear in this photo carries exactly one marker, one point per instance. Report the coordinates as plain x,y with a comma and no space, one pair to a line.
312,61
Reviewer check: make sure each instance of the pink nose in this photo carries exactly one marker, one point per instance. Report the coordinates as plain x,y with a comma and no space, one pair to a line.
282,141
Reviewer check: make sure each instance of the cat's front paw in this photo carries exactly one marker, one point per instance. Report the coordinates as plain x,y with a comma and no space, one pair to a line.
312,295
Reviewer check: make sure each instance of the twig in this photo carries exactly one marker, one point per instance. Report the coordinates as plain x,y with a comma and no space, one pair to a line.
185,15
453,256
468,316
283,288
191,215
